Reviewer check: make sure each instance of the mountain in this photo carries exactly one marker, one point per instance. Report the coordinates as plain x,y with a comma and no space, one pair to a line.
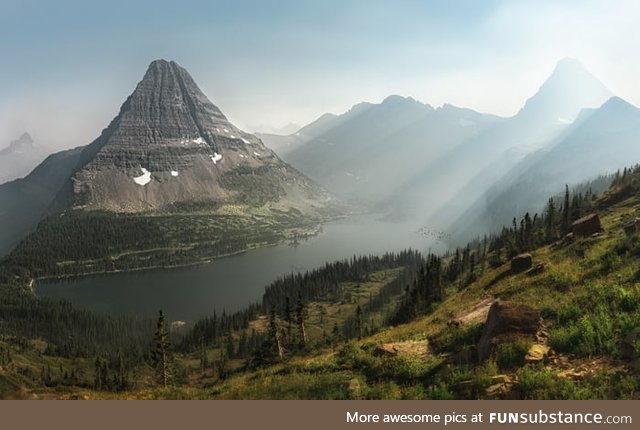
442,191
569,89
431,163
170,144
284,143
171,158
599,142
19,158
23,202
370,151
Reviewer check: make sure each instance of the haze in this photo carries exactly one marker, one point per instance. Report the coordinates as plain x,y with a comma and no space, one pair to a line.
67,66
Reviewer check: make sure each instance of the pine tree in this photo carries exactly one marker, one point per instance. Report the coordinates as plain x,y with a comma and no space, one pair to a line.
122,375
301,316
274,335
359,322
335,335
204,360
223,364
288,318
550,232
162,357
566,210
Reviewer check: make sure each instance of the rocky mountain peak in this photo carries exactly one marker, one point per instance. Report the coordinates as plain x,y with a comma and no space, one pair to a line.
169,143
23,143
569,89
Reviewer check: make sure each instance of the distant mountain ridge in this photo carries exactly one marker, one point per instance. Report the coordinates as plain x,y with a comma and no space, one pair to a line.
370,151
599,142
19,158
431,164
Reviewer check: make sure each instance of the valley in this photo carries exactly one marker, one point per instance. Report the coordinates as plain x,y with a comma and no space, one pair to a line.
395,251
193,292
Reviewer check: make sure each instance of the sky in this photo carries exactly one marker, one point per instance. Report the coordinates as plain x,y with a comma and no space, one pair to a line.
67,66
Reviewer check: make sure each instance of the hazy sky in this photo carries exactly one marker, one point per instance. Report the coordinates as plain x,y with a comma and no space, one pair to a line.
66,66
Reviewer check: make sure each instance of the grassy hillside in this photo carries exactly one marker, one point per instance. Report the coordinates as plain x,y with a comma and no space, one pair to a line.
588,295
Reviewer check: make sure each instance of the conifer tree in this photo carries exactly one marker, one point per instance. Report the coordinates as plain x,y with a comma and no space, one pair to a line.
359,322
565,210
288,318
204,360
550,228
335,335
222,364
274,335
162,357
301,316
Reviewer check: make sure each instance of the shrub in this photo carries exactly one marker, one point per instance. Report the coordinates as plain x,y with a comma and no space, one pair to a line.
456,339
512,354
482,375
383,391
536,382
440,391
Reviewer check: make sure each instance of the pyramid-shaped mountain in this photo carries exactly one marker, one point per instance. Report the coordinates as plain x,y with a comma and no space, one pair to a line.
170,144
169,172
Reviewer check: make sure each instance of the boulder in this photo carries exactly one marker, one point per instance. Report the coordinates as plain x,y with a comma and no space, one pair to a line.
501,379
632,227
506,322
496,390
537,353
631,344
535,270
586,226
415,348
521,262
473,315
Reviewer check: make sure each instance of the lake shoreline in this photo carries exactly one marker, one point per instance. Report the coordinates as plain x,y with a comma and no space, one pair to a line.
190,292
311,233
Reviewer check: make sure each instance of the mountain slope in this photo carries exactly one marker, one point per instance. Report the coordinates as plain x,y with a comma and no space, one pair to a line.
450,185
599,142
25,201
370,151
586,294
171,161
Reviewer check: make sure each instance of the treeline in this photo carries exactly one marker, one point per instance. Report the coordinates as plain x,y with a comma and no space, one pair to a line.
285,300
324,283
72,332
79,242
541,229
360,324
456,269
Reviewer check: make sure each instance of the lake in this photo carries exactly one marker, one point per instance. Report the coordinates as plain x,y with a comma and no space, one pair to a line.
231,283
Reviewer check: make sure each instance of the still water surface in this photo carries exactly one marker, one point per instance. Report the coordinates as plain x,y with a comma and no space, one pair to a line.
231,283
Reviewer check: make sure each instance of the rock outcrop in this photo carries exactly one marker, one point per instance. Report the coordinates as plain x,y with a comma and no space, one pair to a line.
521,262
586,226
506,322
535,270
408,348
632,227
